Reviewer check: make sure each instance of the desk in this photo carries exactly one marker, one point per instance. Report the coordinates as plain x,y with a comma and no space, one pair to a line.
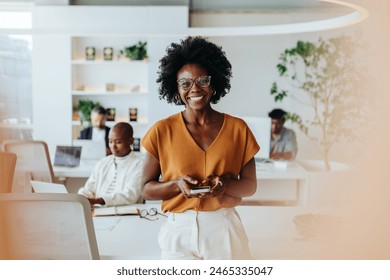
128,237
84,170
270,229
264,171
292,171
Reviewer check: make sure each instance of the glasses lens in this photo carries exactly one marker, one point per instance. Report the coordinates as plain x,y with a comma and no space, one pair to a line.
143,213
185,83
203,81
153,212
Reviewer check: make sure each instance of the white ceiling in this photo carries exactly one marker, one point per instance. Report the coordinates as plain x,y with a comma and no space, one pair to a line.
195,5
271,11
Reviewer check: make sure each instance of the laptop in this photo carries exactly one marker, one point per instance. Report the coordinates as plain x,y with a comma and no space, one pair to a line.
68,156
91,150
45,187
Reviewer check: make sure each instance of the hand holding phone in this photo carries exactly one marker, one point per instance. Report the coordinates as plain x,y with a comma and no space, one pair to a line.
200,189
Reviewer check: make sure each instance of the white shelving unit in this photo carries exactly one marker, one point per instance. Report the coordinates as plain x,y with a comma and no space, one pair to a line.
60,67
91,77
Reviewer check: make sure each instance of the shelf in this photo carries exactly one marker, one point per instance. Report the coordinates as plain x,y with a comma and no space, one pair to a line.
100,61
107,93
111,123
125,79
16,126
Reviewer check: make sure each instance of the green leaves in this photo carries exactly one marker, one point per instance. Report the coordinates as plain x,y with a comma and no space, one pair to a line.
137,51
278,95
85,107
294,118
333,79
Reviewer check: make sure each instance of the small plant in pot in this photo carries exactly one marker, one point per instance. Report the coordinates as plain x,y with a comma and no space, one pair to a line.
327,78
136,52
85,108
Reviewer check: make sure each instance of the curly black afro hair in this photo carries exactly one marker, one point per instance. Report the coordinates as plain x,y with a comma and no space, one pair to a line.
194,50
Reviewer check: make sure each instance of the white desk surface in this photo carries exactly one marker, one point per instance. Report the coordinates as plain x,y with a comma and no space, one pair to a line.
293,170
270,229
84,170
264,171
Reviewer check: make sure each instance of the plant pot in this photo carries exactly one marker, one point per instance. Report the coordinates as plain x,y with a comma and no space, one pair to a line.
313,165
327,188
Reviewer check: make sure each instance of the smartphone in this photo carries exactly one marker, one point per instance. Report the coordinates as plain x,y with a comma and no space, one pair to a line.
200,189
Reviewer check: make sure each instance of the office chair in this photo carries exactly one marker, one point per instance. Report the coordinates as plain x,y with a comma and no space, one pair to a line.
41,226
33,163
7,163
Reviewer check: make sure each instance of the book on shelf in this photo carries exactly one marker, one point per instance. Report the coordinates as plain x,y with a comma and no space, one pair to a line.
111,114
115,210
133,114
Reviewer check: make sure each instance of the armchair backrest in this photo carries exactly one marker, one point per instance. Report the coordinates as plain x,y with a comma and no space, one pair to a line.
7,169
33,159
41,226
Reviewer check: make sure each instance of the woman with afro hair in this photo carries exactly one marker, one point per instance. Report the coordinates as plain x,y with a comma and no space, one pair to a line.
199,162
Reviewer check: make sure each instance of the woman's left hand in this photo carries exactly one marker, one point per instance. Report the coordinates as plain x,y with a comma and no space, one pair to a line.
217,187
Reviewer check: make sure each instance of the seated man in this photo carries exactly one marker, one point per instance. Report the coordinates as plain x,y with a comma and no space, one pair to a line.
283,140
116,179
98,131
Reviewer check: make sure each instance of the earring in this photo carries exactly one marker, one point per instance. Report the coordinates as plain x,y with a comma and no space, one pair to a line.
178,99
214,92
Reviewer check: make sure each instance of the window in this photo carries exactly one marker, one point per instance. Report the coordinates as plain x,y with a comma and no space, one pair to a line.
15,71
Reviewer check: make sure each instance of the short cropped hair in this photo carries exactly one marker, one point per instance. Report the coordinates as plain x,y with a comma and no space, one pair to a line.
126,128
194,50
277,114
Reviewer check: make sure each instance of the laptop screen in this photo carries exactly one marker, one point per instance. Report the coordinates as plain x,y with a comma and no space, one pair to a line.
261,129
67,156
91,150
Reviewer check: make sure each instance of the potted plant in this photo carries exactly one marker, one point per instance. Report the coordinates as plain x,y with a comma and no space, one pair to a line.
135,52
328,79
85,108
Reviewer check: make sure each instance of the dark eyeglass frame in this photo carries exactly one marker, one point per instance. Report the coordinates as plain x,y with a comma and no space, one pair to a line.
192,81
152,212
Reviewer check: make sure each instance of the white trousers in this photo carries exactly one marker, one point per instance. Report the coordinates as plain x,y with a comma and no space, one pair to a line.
213,235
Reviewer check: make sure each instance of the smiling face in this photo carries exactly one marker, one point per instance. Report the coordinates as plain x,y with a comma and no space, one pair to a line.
196,97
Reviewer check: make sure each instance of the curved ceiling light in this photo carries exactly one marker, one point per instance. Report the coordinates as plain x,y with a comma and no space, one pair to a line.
357,15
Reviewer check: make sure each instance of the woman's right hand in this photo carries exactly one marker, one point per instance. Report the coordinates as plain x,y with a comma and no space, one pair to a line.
185,183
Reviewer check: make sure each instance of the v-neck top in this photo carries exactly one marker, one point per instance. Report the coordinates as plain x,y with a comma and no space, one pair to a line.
172,145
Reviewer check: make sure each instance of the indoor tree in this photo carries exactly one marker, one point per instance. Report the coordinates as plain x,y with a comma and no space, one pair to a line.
329,78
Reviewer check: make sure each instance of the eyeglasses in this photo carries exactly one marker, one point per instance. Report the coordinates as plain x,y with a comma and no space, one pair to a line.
144,213
187,83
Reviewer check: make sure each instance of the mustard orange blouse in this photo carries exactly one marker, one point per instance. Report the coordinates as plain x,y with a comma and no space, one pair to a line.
171,144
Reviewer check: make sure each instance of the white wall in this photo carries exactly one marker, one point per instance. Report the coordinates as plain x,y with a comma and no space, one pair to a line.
253,58
254,61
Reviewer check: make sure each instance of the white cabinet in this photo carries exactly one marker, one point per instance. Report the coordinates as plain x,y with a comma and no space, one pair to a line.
119,83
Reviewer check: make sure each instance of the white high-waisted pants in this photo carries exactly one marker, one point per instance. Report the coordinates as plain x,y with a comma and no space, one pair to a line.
213,235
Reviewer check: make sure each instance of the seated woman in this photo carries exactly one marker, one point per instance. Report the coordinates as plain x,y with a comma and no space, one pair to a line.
116,179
